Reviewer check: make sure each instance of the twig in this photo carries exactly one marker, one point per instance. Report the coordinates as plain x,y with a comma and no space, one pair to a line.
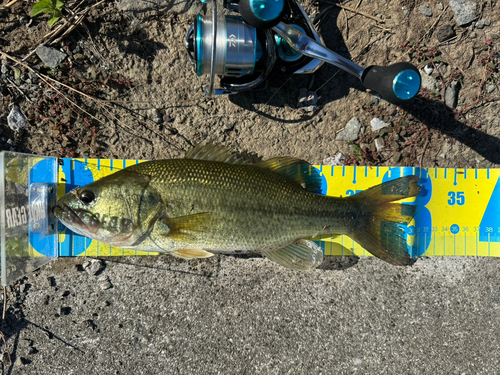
434,24
355,11
346,26
423,151
72,27
19,89
73,21
9,4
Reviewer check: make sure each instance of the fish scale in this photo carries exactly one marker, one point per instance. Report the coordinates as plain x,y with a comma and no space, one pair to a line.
286,209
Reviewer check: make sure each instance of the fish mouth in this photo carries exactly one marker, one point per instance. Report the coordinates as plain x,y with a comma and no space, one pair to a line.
62,208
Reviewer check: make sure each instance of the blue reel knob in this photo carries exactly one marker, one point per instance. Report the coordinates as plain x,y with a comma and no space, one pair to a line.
406,84
262,14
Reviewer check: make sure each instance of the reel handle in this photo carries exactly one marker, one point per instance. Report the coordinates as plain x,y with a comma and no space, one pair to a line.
395,83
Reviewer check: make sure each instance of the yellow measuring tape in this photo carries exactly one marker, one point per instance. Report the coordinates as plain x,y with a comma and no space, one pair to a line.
458,210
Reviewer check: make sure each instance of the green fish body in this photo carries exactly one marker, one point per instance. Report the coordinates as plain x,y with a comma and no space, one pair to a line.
211,202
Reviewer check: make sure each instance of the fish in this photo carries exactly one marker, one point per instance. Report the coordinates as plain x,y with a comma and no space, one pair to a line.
213,201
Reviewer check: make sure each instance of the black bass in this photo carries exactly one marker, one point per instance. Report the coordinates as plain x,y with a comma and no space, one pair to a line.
212,202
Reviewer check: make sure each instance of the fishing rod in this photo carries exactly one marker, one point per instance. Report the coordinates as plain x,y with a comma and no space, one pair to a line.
266,36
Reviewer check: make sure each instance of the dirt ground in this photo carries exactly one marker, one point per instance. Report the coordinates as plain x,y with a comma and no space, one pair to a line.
147,102
138,96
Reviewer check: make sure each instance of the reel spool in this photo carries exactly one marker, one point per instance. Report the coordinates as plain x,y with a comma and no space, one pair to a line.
277,34
241,55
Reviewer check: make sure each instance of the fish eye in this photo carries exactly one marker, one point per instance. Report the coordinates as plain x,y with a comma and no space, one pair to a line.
87,197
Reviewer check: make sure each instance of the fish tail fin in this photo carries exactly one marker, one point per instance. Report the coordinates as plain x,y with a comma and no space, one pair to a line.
383,236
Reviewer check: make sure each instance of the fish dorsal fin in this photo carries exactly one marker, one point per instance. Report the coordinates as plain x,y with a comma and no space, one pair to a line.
295,169
301,255
212,152
191,254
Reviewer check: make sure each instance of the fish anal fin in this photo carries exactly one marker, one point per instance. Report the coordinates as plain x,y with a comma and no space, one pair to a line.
191,254
295,169
301,255
213,152
182,228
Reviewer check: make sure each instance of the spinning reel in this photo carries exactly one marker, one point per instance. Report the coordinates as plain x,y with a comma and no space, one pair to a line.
278,35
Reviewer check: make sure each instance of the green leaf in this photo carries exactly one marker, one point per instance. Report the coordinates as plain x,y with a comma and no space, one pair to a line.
43,6
53,19
58,4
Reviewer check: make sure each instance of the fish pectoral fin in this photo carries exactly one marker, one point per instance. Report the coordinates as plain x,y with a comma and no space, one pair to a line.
191,254
181,228
301,255
295,169
212,152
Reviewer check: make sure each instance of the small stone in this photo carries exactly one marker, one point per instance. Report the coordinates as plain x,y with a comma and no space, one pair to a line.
79,57
377,123
465,11
308,100
375,100
350,132
379,144
479,24
425,10
4,69
444,33
24,19
428,69
473,35
442,68
487,22
405,10
94,266
105,282
440,6
396,157
490,88
428,82
16,120
155,115
50,56
451,94
338,159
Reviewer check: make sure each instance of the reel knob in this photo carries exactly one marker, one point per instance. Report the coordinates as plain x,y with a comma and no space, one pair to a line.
395,83
262,14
